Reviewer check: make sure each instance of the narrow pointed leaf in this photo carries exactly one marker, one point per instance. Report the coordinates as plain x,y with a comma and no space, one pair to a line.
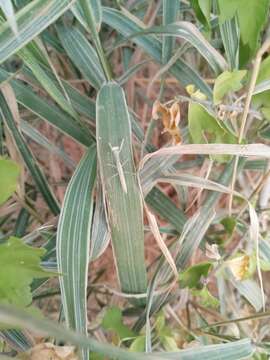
31,20
47,111
82,54
73,243
190,33
170,13
237,350
96,9
31,61
8,10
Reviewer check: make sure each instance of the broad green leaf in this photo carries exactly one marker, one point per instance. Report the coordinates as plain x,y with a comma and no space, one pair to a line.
20,264
252,16
204,128
31,163
228,351
189,32
202,10
8,10
31,20
227,82
191,277
170,14
120,187
82,54
206,298
152,46
73,243
113,321
9,174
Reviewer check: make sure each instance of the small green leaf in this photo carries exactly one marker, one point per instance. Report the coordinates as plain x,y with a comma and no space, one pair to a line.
226,82
204,128
206,298
20,264
229,224
202,10
191,277
9,173
113,321
138,345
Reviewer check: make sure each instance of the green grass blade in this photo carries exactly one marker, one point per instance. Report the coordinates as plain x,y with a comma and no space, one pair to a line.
89,15
8,10
97,12
32,62
82,54
190,33
73,243
230,35
48,111
114,129
28,157
20,318
17,339
151,45
31,20
170,13
166,208
40,139
241,349
231,351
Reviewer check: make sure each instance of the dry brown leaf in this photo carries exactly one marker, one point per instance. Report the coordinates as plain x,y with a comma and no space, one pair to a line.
50,351
170,117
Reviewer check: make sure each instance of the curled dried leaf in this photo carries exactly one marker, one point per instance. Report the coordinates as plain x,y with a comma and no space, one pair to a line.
170,117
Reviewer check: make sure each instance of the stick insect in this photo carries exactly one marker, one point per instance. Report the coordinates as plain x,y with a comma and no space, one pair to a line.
116,154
